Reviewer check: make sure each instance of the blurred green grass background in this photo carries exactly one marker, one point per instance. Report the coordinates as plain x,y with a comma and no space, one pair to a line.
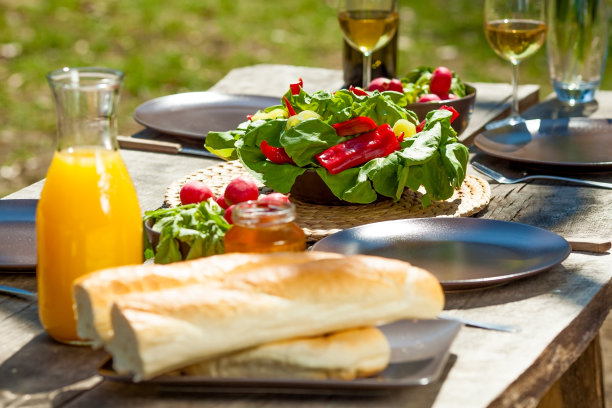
184,45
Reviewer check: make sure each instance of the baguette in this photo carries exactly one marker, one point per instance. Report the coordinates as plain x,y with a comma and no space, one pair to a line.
343,355
94,293
160,331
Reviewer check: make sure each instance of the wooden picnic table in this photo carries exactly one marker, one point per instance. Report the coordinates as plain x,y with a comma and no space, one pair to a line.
559,312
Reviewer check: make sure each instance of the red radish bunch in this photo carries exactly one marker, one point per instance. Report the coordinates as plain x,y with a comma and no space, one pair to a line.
382,84
238,190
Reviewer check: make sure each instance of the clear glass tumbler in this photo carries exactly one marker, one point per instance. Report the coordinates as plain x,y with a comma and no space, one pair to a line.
577,48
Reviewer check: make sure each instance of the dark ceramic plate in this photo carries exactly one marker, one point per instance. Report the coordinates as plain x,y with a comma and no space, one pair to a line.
574,142
193,114
463,253
419,352
18,235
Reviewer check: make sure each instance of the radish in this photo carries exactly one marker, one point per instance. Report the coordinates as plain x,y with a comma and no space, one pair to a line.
241,189
395,85
195,192
274,198
228,213
428,98
379,84
449,97
382,84
441,81
222,203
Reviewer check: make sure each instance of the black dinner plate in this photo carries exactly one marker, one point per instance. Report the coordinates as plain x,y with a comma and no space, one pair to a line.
577,143
419,353
18,235
193,114
463,253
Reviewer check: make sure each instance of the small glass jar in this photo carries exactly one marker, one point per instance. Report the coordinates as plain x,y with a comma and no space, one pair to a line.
264,227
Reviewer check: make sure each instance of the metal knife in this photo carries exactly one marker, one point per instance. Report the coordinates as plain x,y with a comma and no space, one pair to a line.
150,145
22,293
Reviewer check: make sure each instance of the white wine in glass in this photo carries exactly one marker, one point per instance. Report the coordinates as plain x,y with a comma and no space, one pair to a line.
368,25
515,30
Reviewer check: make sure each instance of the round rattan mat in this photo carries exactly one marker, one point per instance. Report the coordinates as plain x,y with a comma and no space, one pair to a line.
319,221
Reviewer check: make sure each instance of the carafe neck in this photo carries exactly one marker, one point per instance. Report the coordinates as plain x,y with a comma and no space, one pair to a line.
86,101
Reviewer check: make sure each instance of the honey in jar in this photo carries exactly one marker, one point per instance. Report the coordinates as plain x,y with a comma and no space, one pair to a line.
264,227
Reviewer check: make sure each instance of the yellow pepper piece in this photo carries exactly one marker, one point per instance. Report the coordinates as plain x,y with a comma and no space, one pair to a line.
302,116
404,125
273,114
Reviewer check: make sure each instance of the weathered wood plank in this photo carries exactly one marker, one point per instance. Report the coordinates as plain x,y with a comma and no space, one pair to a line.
585,375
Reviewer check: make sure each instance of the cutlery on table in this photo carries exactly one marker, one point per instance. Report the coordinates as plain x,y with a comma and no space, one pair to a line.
594,245
482,325
500,178
158,146
22,293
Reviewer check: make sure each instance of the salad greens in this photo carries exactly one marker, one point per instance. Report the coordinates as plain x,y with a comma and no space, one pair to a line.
416,84
433,158
200,226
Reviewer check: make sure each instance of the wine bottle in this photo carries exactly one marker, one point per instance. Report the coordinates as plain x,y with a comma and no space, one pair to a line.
384,63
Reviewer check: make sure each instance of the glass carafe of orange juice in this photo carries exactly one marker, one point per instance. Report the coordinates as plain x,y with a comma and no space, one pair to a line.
88,216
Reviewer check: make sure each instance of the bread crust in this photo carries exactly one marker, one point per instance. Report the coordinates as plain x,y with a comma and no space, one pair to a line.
343,355
156,332
95,293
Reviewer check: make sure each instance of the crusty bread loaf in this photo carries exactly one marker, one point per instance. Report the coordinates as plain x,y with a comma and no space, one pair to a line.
94,293
344,355
156,332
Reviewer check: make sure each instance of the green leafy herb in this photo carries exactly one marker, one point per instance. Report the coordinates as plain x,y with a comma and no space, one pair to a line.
200,226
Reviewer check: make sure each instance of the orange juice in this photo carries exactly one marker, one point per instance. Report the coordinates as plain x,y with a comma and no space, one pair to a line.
88,218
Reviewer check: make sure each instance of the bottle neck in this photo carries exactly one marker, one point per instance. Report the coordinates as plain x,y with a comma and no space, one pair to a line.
86,101
253,214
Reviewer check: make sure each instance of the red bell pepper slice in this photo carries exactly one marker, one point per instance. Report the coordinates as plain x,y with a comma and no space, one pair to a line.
357,91
359,150
420,126
276,155
295,88
452,110
354,126
290,109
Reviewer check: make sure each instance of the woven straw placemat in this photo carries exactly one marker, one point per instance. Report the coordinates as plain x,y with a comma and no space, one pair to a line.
319,221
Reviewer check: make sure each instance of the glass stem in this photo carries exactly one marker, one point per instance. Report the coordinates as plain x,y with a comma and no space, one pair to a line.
514,113
367,70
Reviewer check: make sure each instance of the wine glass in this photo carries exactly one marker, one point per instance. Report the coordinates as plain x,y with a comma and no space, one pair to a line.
368,25
516,30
